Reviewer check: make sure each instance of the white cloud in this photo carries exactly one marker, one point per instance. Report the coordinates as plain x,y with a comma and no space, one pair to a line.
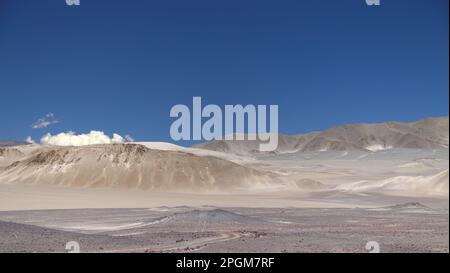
72,139
29,140
128,138
45,121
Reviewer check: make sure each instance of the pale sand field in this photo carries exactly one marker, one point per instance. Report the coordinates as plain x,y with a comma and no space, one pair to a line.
309,180
322,202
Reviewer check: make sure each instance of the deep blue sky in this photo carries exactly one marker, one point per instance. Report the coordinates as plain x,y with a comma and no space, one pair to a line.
119,66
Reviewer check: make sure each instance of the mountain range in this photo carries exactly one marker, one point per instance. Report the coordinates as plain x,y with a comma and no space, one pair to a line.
431,133
215,165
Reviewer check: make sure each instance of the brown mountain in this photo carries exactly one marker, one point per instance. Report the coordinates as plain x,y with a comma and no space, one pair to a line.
429,133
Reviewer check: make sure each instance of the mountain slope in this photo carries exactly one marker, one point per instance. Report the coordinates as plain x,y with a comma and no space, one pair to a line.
9,143
129,166
429,133
8,155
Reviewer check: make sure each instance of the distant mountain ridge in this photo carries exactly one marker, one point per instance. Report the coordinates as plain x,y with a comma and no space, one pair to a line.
9,143
430,133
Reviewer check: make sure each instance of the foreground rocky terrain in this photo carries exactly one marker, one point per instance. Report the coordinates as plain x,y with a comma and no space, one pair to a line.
410,227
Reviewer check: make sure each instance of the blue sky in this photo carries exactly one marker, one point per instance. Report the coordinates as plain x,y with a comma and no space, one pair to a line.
119,66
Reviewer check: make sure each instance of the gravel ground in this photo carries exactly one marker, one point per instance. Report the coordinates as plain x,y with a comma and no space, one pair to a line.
402,228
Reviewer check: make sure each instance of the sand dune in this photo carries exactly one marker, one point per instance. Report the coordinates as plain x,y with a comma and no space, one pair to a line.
164,146
130,166
437,184
9,155
290,172
310,184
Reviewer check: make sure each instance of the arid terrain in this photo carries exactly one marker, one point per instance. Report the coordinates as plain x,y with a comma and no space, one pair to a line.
330,191
403,228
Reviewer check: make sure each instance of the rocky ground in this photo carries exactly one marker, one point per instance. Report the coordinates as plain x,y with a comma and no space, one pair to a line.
410,227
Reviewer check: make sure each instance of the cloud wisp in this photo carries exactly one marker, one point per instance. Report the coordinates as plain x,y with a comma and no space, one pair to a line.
44,122
72,139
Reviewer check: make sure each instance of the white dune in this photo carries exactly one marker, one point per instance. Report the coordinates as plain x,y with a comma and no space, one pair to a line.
377,147
131,166
165,146
432,185
162,146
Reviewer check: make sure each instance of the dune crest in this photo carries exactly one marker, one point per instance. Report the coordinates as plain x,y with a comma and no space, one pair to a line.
432,185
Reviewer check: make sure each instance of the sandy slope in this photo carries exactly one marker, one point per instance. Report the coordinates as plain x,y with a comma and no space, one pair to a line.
322,179
436,185
161,174
164,146
130,166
